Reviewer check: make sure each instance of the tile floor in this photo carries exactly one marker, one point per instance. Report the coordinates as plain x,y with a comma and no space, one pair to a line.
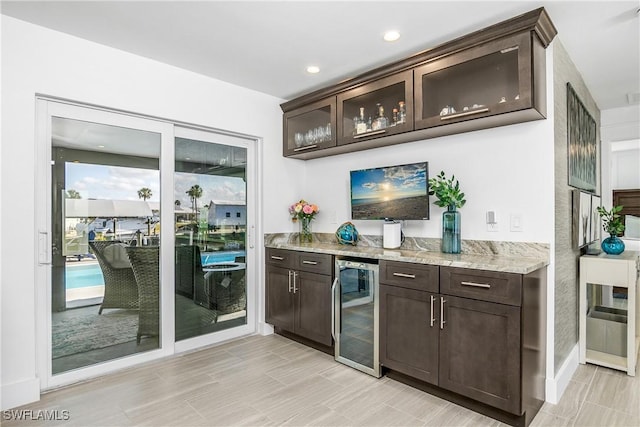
265,381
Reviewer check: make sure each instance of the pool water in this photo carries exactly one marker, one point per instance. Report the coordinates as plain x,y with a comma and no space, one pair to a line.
85,275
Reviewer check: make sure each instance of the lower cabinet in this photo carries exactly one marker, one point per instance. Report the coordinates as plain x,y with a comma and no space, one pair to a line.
297,300
408,333
480,352
459,339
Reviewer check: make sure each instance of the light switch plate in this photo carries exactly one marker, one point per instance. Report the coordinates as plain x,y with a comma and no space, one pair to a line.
516,223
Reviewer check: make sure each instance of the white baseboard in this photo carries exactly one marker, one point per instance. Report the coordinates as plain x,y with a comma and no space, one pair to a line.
20,393
555,387
265,329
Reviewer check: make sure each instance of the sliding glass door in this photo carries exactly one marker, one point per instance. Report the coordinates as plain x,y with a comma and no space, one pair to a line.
211,218
145,239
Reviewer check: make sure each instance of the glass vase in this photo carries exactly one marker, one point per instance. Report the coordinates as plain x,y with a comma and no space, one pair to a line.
451,230
305,230
612,245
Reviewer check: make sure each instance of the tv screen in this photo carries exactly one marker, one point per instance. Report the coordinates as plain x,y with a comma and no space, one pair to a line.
392,192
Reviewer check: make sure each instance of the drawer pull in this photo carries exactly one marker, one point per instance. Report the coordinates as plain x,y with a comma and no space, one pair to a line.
405,275
278,258
310,262
476,285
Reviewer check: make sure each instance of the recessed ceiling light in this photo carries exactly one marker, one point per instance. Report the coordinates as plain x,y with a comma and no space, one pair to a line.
391,36
312,69
187,158
100,146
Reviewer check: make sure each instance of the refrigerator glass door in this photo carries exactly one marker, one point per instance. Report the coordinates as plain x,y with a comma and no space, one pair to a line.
356,315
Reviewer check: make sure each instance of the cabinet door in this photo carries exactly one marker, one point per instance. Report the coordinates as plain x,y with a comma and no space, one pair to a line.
387,93
409,332
487,80
310,128
313,306
480,352
279,308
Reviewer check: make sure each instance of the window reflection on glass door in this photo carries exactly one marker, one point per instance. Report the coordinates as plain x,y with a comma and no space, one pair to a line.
105,217
211,222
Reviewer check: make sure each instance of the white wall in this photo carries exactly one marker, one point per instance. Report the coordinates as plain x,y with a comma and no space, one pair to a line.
508,170
37,60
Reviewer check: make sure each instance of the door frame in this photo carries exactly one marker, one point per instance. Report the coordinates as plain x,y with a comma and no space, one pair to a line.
48,107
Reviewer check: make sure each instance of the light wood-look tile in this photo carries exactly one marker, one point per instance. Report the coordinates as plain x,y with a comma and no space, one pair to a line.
273,381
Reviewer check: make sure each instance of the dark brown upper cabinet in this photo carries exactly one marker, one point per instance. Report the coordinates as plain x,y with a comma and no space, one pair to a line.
310,128
492,77
380,108
490,80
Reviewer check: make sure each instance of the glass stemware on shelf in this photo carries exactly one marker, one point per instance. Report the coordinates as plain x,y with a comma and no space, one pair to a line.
316,135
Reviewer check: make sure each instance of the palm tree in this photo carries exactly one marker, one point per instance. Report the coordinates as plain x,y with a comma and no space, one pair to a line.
195,192
73,194
144,193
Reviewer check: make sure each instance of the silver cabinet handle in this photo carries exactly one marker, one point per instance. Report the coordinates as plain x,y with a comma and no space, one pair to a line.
295,274
277,258
432,317
476,285
375,132
307,147
310,262
464,113
405,275
333,308
290,281
442,321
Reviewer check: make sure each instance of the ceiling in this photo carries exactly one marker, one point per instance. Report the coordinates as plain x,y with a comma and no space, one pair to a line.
266,46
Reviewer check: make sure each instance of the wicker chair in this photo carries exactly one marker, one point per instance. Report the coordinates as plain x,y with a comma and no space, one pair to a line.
120,287
227,291
145,261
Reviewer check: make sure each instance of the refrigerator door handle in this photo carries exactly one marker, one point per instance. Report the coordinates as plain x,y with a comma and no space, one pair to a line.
333,308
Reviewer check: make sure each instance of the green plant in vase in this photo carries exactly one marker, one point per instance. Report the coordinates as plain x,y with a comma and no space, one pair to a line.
612,224
450,196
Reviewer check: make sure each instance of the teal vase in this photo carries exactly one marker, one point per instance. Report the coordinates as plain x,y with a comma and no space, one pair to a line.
612,245
451,231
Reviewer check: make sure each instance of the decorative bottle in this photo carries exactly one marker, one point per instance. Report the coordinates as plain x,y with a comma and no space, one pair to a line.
381,121
361,125
402,113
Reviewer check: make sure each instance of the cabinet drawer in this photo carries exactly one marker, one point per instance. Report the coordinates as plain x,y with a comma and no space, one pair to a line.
315,263
281,257
503,288
407,275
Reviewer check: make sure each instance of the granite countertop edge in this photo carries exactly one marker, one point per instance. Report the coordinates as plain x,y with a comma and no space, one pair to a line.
499,263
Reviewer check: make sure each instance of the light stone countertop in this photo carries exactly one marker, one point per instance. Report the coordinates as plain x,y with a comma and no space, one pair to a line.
510,257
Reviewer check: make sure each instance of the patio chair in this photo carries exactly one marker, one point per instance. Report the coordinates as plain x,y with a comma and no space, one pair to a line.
120,288
145,261
188,272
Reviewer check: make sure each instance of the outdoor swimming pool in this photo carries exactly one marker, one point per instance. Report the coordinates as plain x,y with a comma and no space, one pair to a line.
85,275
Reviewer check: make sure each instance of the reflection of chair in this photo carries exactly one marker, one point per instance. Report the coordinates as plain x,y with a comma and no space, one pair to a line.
120,288
189,274
224,288
145,261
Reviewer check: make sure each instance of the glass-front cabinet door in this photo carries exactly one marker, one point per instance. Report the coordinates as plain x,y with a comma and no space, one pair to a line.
377,109
310,128
488,80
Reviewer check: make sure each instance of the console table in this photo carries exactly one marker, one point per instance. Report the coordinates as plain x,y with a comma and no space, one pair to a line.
609,321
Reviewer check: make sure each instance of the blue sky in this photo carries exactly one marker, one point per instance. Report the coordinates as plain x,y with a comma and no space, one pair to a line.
389,183
123,183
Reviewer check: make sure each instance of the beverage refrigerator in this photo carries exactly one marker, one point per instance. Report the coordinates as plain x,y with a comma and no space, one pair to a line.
355,314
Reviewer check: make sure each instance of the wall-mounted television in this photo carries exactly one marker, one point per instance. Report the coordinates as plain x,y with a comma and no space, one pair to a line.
391,192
